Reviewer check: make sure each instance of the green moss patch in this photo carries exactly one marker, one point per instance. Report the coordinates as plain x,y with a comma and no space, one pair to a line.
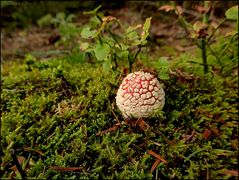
52,111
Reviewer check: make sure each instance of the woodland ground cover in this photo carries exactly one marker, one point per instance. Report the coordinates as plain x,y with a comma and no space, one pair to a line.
53,110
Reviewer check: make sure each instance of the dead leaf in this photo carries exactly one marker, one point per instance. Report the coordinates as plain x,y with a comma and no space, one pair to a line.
20,159
166,8
143,125
202,9
230,172
109,18
202,33
155,165
187,137
179,10
30,149
156,156
198,25
114,128
58,168
215,132
206,133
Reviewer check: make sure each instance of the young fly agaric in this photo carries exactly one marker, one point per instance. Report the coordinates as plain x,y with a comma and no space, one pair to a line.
140,95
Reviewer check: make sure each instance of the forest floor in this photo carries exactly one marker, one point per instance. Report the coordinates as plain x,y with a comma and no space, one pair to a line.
59,118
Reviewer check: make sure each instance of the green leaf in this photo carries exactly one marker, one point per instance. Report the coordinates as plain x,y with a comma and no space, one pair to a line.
123,54
132,35
146,27
84,46
124,47
163,74
45,20
86,33
162,62
101,51
94,11
232,13
107,65
147,24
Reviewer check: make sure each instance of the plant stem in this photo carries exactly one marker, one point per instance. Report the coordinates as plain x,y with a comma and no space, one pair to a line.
137,53
114,58
204,55
214,54
130,64
204,41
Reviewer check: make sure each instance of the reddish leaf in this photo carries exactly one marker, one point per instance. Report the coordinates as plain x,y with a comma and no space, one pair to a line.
157,156
155,165
206,133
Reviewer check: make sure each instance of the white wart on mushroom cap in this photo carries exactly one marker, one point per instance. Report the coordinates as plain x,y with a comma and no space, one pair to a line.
140,95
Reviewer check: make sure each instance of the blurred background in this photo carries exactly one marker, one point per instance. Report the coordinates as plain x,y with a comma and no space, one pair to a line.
33,27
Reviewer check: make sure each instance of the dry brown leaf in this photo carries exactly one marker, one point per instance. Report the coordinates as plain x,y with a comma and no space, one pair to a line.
166,8
202,9
109,18
30,149
157,156
179,10
187,137
58,168
155,165
231,172
20,159
143,125
114,128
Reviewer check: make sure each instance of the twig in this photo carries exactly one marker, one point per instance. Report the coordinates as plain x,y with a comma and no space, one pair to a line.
114,128
19,168
157,156
115,114
207,175
155,165
58,168
137,53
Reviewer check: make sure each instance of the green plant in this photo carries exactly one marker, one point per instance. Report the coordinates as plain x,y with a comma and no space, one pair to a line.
199,33
110,48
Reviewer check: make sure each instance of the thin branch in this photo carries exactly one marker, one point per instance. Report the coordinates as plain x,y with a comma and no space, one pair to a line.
19,168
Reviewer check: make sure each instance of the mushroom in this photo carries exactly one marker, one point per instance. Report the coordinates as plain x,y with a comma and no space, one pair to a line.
140,95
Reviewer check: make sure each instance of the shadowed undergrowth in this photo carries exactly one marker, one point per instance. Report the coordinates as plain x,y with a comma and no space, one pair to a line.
52,111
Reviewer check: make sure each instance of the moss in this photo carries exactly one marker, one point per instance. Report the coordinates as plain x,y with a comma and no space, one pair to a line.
52,112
